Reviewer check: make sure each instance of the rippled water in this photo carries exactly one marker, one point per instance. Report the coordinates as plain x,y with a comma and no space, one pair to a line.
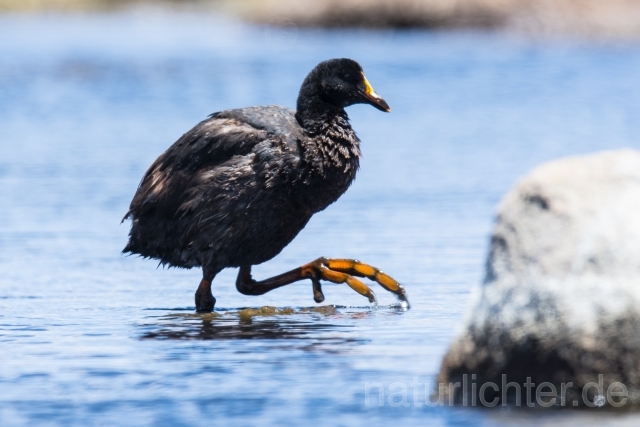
87,102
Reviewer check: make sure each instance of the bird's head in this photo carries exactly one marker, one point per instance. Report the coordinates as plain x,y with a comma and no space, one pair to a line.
341,82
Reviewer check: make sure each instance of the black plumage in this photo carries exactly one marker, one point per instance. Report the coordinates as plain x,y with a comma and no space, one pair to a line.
239,186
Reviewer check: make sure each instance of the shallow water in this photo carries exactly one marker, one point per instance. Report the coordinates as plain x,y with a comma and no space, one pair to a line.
91,338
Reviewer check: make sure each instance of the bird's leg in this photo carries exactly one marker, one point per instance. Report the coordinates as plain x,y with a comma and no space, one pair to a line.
332,270
204,298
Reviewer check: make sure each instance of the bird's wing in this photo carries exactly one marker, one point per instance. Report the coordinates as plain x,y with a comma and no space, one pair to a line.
165,186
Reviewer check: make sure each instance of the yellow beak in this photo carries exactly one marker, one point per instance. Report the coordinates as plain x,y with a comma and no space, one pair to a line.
373,98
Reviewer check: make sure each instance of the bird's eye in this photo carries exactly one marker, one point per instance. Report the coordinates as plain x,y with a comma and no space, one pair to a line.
347,76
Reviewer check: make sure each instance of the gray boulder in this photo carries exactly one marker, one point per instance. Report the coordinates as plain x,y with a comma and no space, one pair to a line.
558,314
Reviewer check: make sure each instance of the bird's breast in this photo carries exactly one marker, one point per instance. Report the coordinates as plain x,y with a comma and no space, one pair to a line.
329,168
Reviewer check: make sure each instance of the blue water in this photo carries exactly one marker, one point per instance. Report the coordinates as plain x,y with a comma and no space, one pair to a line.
87,102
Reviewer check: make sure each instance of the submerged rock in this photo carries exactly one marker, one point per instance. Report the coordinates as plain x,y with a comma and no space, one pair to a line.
560,303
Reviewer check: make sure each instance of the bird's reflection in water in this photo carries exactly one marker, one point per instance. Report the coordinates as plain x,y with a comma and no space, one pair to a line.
314,328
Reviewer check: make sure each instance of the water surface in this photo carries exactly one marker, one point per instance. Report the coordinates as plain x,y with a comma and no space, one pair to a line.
87,102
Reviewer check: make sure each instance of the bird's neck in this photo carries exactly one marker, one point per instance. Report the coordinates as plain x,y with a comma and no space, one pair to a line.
333,144
314,114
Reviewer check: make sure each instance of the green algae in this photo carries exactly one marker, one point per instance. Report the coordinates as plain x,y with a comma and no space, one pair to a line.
268,311
248,313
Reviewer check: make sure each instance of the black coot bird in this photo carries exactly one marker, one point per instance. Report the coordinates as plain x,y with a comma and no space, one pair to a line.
239,186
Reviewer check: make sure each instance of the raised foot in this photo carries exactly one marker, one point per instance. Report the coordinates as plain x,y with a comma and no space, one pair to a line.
344,270
332,270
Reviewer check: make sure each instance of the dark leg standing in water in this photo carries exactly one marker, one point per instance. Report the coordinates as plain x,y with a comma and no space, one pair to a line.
238,187
205,301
